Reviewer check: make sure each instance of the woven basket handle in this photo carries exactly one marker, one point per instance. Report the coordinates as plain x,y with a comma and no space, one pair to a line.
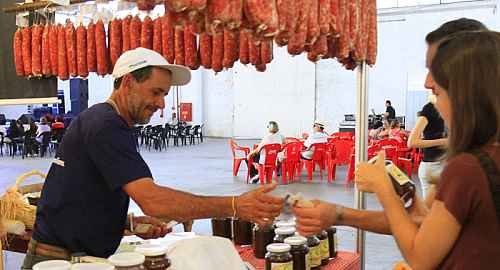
23,176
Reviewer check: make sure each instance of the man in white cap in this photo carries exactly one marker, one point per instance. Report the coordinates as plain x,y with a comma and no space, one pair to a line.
98,169
319,136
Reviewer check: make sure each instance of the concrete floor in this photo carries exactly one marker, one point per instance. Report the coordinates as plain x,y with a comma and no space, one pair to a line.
207,169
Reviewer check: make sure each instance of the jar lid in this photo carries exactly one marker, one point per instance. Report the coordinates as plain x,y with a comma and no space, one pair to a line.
151,250
285,230
53,265
295,240
92,266
287,223
278,247
126,259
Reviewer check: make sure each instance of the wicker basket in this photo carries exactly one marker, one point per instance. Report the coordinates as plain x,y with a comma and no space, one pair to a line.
14,206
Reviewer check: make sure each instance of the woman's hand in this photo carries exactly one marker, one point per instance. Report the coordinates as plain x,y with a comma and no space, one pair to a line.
373,178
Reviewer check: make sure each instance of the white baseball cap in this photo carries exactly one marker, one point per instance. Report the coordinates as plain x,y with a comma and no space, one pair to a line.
319,123
141,57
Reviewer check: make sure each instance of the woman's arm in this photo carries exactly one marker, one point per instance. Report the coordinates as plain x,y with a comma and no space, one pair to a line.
427,246
415,140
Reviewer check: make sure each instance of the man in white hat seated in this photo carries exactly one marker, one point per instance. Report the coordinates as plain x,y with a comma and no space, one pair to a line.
318,136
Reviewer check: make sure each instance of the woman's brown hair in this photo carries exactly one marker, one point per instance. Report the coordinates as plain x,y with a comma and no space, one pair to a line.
467,66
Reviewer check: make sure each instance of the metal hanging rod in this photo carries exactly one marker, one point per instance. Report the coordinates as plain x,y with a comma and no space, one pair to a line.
36,5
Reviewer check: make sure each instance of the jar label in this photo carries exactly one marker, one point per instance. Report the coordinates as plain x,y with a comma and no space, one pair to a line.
325,251
282,266
397,174
335,240
315,256
308,261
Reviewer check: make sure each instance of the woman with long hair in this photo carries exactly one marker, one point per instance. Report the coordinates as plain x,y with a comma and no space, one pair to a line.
462,229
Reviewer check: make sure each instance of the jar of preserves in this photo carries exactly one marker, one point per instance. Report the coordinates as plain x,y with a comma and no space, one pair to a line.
278,257
262,236
127,261
299,251
403,185
282,233
314,252
53,265
92,266
155,257
242,231
325,250
332,241
222,227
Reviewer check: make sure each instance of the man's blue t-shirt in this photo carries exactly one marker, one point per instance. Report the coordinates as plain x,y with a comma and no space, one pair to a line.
83,207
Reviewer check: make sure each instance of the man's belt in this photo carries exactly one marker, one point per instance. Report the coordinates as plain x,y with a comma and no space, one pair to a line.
46,250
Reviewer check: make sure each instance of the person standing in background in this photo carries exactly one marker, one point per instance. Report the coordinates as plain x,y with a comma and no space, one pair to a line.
390,113
429,135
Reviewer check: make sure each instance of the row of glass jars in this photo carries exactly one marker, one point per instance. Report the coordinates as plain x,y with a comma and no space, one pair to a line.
145,257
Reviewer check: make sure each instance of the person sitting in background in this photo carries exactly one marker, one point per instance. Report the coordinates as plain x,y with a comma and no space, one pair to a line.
30,138
384,132
257,156
395,130
59,123
14,134
174,121
377,128
318,136
42,128
49,118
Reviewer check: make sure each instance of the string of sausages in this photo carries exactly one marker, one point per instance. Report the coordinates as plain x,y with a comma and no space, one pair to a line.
214,34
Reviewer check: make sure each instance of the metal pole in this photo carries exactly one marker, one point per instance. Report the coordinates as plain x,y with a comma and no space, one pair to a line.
361,148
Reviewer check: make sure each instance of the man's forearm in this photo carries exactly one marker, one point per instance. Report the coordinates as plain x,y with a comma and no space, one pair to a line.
164,202
373,221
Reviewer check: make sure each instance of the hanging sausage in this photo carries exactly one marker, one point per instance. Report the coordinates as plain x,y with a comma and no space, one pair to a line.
81,51
115,40
168,36
206,50
217,51
126,33
157,38
36,50
18,52
147,33
135,32
101,49
71,48
91,50
53,49
62,59
46,69
179,46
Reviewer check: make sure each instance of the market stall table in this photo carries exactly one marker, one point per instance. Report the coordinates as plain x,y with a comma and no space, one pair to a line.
344,260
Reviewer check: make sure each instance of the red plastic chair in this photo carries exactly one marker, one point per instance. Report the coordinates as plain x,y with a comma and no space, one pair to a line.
318,158
237,159
350,170
331,162
343,135
291,161
343,149
267,169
